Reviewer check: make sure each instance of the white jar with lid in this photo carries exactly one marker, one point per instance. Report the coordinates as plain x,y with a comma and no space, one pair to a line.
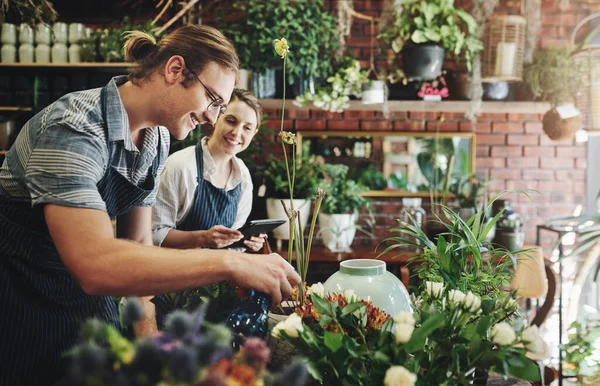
59,53
42,53
26,53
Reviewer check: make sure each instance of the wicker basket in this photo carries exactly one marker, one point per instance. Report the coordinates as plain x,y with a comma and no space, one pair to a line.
587,58
558,129
504,44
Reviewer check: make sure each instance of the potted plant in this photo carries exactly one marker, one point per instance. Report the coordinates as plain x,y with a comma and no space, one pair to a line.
509,229
308,173
340,208
427,31
553,76
581,351
308,26
335,94
467,191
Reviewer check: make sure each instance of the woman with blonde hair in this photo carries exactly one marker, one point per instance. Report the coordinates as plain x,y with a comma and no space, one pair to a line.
92,156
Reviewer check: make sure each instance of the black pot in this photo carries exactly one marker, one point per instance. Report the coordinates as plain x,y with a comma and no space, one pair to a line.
422,61
480,377
263,85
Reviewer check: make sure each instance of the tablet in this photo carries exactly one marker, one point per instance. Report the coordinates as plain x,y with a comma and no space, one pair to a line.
256,227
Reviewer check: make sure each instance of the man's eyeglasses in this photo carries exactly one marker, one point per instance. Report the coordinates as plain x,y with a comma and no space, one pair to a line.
216,105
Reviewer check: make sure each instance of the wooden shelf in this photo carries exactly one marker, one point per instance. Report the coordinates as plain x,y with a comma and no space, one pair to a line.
2,152
67,65
423,106
15,108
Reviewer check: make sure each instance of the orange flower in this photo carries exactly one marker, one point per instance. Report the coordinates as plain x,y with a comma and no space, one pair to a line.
241,373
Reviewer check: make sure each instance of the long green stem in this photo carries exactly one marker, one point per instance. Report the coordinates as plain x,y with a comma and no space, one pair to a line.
311,233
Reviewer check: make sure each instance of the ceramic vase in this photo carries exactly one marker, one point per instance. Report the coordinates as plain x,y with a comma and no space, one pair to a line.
338,230
275,211
372,282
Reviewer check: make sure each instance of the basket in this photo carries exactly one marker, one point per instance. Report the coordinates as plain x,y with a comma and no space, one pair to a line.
558,129
587,58
504,42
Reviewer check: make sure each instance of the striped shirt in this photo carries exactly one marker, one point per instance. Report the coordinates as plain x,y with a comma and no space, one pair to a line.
178,187
63,151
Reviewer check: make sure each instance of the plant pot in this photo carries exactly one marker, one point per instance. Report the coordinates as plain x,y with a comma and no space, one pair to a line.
459,85
422,61
497,91
466,213
558,129
372,282
480,377
373,92
510,240
263,85
275,211
338,230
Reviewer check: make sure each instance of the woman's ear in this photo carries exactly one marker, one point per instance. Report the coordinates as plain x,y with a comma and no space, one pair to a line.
174,69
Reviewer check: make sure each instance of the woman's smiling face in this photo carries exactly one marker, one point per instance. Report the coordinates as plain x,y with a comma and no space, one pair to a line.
235,129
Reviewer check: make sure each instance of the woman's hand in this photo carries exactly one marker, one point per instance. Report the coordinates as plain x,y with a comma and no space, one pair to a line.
219,236
255,243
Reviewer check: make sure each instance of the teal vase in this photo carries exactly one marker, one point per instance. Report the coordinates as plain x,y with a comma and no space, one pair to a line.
372,282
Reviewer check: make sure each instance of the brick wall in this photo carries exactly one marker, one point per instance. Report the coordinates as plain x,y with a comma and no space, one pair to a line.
512,150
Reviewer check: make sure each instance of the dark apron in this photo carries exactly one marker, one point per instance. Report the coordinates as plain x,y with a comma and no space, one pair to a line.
41,305
212,206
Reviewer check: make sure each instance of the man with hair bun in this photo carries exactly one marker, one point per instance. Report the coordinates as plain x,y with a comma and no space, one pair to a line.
97,155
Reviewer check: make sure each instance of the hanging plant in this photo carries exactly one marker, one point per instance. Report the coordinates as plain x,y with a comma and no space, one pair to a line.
31,12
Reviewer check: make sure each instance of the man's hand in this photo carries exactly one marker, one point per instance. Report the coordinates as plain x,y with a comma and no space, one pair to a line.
255,243
218,236
266,273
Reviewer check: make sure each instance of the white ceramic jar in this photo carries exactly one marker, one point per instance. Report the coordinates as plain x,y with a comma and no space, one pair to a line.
26,53
74,53
76,32
9,33
60,32
8,54
25,34
42,53
59,53
42,34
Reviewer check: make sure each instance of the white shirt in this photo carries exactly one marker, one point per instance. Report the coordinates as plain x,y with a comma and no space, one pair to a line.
178,183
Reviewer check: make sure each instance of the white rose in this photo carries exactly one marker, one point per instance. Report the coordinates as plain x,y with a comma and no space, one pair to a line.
455,297
399,376
403,332
349,296
317,289
531,338
416,301
292,326
472,302
404,317
503,334
510,305
434,289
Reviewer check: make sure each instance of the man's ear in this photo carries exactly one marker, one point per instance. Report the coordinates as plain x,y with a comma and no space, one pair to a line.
174,69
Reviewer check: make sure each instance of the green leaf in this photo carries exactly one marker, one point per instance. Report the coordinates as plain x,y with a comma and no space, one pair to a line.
484,325
519,366
314,371
350,308
418,37
333,341
419,336
322,306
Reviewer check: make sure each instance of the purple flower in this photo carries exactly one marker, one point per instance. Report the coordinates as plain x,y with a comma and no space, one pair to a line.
257,353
